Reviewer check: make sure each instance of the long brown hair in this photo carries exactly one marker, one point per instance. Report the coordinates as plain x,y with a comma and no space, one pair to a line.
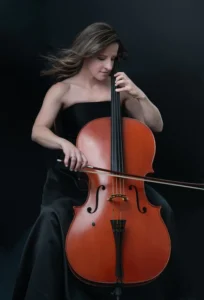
93,39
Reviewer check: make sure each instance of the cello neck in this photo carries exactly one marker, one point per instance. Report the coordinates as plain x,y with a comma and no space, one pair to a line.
117,158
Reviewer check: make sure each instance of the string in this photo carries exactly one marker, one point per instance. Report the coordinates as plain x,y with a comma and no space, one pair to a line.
114,180
117,150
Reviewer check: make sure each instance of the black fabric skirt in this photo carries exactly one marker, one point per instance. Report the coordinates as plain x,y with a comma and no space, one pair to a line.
44,273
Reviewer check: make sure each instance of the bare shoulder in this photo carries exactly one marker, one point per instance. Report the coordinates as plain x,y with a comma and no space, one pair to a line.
51,105
57,91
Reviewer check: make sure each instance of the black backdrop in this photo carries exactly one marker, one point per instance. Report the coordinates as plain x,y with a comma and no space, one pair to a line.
166,45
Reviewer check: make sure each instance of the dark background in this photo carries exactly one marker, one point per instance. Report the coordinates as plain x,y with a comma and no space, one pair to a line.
166,45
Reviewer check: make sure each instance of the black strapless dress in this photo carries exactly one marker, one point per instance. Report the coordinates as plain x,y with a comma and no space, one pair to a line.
44,273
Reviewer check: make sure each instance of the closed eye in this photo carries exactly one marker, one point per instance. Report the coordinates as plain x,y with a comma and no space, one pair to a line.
103,58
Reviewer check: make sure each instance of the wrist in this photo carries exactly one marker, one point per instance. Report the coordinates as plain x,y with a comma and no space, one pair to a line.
61,142
139,95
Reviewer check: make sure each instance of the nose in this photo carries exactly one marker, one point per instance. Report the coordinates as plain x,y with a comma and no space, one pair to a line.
109,65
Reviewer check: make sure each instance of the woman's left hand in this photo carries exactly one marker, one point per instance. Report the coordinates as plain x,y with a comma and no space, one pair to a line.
124,84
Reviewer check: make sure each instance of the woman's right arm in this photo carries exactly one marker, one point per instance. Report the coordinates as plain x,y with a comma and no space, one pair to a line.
41,132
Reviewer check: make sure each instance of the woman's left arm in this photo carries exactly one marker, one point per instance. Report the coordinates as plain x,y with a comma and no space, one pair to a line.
137,103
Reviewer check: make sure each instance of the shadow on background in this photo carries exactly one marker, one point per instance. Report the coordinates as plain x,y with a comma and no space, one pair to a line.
9,262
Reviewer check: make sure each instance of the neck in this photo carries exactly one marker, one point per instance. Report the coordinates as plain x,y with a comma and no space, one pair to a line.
88,80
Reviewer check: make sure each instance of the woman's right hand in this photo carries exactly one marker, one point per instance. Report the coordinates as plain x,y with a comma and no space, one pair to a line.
74,155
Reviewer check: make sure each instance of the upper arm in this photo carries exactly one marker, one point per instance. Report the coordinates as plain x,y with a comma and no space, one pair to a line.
51,105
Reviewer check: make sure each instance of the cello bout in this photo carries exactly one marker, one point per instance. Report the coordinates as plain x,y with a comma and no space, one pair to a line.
123,235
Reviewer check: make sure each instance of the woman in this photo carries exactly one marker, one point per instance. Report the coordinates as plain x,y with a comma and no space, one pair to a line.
82,93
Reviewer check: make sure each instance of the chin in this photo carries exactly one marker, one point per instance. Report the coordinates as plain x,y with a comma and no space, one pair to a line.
102,77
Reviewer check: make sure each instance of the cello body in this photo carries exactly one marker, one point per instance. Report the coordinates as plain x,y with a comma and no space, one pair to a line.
117,235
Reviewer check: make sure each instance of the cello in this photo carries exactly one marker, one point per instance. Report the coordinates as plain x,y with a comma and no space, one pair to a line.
125,240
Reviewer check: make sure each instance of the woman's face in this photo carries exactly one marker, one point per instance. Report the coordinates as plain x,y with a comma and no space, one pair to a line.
100,66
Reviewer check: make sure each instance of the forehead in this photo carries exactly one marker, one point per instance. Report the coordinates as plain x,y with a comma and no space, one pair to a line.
112,49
